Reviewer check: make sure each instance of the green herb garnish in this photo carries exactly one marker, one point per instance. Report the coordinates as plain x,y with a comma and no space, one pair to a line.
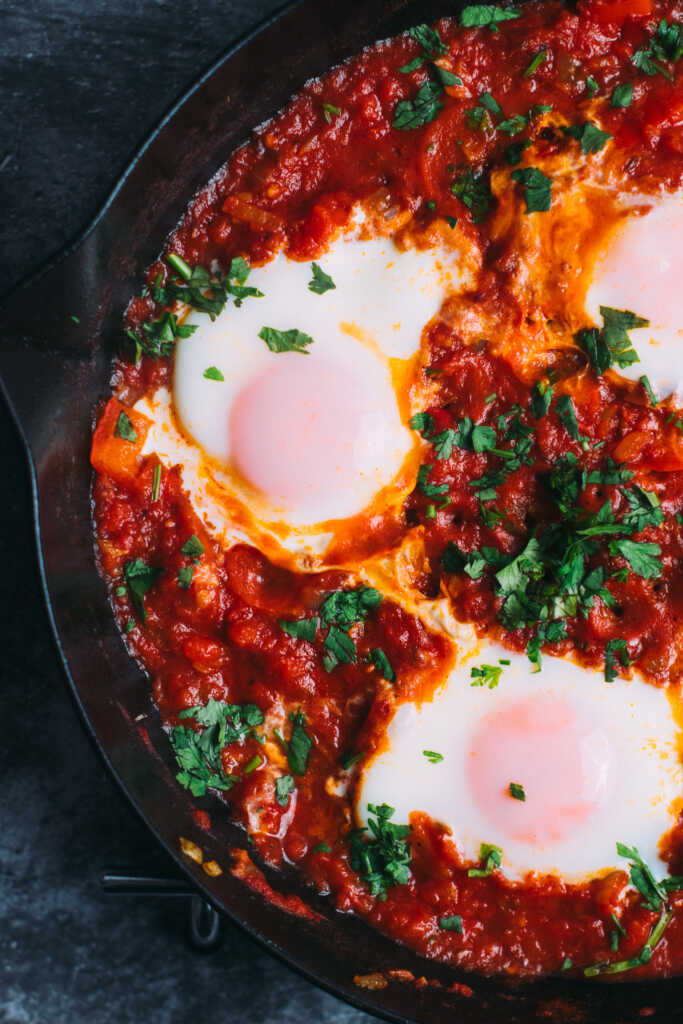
384,859
125,429
537,188
292,340
320,282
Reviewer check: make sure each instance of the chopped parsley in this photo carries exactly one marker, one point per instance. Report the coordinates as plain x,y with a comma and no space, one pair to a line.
490,858
486,16
125,429
515,151
157,339
591,86
302,629
344,607
349,760
193,547
384,859
300,743
541,397
381,663
538,58
213,373
184,577
292,340
616,650
284,787
567,415
432,47
320,282
641,556
420,111
622,95
424,487
433,756
140,578
472,189
338,612
452,923
199,753
656,898
322,848
537,188
330,111
591,137
206,292
516,791
611,345
666,47
485,675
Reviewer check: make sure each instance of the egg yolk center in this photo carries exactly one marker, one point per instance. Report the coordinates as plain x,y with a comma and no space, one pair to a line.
563,763
304,427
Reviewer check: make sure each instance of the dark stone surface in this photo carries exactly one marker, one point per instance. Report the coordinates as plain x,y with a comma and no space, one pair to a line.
81,85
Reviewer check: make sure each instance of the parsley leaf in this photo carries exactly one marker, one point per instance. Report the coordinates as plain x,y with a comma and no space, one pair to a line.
537,188
384,859
612,344
666,45
381,663
140,577
285,341
193,547
473,190
158,337
486,16
284,786
429,490
490,857
538,58
514,152
541,397
486,675
451,923
641,556
299,745
567,415
591,137
321,282
622,95
213,373
184,577
615,650
199,753
420,111
516,791
125,429
341,648
301,629
591,86
344,607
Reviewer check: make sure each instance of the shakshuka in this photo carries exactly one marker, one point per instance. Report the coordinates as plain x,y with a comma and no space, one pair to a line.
389,491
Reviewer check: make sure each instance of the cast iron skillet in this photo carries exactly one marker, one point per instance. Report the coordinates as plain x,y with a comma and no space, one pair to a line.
55,372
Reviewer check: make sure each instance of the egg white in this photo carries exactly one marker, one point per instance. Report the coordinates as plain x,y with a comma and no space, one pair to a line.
640,270
382,300
630,757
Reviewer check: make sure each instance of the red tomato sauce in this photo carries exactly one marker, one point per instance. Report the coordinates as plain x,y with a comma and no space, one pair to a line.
293,187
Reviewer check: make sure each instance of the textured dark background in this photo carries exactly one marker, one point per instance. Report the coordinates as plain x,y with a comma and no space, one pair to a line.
81,84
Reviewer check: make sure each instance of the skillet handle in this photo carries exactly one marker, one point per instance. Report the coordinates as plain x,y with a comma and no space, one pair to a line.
47,327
